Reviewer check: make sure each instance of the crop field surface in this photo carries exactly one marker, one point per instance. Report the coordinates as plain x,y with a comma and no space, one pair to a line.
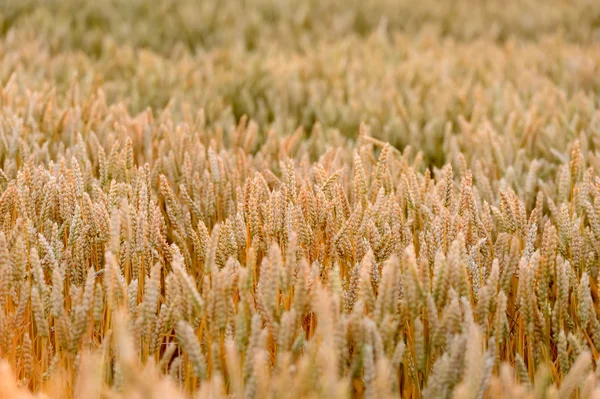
299,199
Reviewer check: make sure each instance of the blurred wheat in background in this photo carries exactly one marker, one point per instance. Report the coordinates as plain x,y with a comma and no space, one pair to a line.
311,199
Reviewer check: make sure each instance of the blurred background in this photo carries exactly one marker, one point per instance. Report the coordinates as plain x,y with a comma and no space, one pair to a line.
411,69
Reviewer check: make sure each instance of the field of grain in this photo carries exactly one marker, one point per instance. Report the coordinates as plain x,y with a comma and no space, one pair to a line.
299,199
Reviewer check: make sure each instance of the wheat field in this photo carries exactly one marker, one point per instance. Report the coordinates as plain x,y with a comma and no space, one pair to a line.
299,199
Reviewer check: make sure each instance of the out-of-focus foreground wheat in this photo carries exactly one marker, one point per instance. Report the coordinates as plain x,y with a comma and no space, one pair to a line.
318,199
